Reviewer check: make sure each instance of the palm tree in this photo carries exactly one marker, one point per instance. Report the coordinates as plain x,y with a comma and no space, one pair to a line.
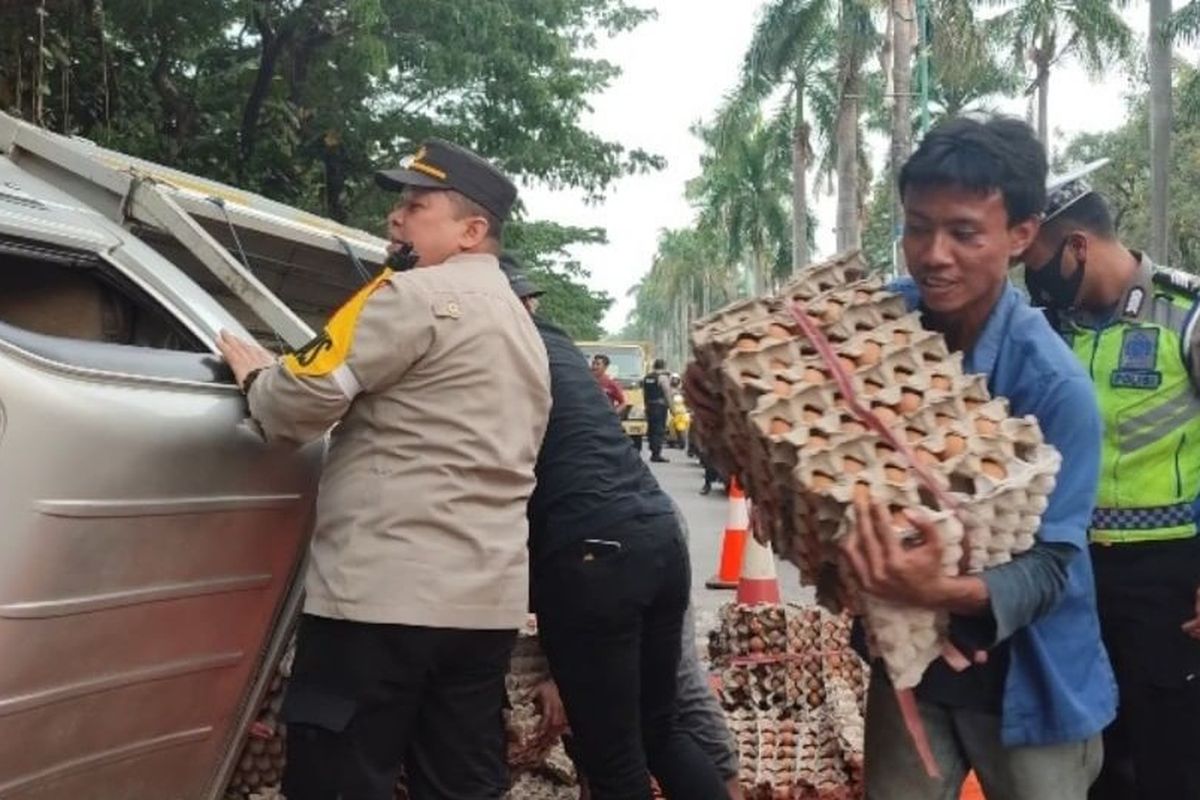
1048,31
742,188
793,41
964,69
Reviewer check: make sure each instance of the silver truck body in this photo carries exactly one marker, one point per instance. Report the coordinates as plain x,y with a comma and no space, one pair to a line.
150,541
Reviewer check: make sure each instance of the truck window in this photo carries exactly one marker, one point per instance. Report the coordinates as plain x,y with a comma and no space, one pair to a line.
73,308
76,295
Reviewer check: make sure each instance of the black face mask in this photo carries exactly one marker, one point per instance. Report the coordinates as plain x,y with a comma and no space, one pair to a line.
1048,287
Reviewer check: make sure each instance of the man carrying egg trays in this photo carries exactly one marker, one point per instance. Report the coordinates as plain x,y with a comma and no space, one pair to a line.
808,457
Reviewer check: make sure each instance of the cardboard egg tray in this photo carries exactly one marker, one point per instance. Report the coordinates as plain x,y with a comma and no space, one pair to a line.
912,432
793,692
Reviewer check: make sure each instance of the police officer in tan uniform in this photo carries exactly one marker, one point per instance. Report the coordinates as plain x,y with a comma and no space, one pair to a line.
419,568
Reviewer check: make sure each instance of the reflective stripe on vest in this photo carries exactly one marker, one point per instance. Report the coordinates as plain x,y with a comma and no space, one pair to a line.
1150,459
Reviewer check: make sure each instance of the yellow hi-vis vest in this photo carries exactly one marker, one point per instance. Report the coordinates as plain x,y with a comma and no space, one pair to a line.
1142,365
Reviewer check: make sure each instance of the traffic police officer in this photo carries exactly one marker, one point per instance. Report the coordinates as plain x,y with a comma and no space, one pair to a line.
419,572
656,392
1134,327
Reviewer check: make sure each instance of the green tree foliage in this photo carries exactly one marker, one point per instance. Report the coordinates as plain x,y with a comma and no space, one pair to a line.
1125,182
302,99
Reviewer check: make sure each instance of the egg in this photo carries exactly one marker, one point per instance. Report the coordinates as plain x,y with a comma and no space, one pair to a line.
985,426
940,382
777,331
955,445
910,402
782,388
814,375
871,353
747,343
852,465
779,426
994,469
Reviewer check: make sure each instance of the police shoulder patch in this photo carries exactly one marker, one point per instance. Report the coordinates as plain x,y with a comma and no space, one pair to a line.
1139,348
327,351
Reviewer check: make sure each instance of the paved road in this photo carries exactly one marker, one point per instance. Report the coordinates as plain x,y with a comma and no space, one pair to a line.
682,479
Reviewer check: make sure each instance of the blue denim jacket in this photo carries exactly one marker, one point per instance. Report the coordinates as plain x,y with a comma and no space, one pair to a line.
1060,685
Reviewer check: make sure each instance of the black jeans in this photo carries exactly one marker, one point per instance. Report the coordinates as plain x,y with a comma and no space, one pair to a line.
365,700
1144,592
656,424
610,620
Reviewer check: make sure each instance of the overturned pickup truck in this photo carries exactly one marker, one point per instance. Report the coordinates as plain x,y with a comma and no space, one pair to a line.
150,541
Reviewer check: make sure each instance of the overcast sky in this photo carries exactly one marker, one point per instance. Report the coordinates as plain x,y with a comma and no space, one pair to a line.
676,70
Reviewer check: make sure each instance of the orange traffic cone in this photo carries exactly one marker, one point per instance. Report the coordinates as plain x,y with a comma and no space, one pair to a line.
734,541
758,583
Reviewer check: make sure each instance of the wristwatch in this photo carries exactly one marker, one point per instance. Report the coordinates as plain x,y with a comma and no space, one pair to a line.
249,379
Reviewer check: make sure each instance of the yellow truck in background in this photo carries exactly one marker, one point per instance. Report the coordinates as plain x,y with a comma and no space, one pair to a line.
628,363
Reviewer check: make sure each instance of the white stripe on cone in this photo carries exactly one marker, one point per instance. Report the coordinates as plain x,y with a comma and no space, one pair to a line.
758,583
739,513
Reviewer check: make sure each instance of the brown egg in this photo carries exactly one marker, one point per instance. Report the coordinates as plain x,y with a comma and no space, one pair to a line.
914,435
926,456
943,420
810,414
777,331
862,493
886,415
940,382
972,404
871,387
853,426
871,353
910,402
901,337
814,375
852,465
817,440
782,388
821,481
847,364
994,469
903,375
955,445
747,343
779,426
894,474
778,364
985,426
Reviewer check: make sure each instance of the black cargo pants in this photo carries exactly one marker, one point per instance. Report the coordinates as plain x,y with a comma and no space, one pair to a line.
656,424
610,618
1144,592
365,700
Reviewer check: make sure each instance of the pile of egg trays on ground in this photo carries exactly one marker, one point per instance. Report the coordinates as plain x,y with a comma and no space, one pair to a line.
804,456
260,765
539,769
542,772
794,694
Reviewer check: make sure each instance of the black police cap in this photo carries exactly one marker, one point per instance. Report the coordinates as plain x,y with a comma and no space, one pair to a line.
442,165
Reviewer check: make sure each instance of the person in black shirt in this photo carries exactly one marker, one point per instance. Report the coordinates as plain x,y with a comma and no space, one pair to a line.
610,582
656,391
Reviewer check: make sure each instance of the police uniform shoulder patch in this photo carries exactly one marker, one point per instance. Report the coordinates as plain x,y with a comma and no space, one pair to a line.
1133,301
327,352
1138,359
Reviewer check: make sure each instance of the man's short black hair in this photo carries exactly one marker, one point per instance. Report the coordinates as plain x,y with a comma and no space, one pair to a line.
1089,213
660,363
997,154
602,358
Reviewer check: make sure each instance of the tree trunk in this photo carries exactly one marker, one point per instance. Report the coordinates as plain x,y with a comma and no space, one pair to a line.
848,236
903,22
1160,130
1043,96
799,182
273,42
849,67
